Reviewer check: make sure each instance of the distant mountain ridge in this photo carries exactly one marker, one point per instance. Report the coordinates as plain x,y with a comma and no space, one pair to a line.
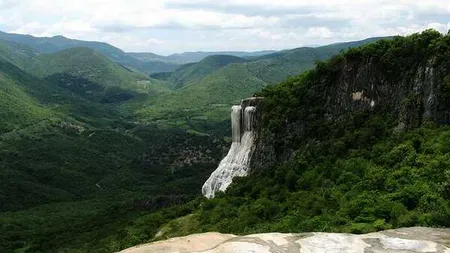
145,62
45,45
189,57
195,72
197,90
205,91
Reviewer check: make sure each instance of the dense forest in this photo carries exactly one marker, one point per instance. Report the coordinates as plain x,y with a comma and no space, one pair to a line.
360,143
347,167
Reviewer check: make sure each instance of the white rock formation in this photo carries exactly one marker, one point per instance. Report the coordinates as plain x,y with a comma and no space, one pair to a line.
400,240
236,163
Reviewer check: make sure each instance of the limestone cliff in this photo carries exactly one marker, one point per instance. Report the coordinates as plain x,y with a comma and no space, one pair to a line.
404,90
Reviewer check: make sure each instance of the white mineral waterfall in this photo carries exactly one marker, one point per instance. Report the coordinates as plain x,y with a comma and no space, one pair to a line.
237,161
236,112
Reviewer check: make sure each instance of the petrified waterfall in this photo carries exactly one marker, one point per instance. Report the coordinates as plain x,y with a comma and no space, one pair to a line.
237,161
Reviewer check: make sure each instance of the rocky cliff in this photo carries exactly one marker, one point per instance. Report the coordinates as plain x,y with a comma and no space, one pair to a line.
404,81
359,144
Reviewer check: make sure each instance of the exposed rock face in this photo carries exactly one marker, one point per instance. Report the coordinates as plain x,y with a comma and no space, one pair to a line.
400,240
244,121
411,98
364,85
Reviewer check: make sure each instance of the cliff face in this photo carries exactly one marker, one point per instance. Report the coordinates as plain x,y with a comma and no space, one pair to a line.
414,97
359,144
354,87
403,86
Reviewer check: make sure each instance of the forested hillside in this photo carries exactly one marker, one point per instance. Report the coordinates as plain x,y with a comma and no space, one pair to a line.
206,90
192,73
147,63
95,157
191,57
17,107
71,154
358,144
46,45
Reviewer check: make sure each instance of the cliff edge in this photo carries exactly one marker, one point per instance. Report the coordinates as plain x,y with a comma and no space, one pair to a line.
416,239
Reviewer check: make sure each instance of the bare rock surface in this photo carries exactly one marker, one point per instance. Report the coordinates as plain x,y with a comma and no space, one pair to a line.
191,243
407,240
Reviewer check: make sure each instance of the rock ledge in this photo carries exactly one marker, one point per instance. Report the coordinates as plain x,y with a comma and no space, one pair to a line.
416,239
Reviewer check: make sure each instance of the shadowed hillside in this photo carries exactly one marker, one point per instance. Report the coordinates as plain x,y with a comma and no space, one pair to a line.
70,154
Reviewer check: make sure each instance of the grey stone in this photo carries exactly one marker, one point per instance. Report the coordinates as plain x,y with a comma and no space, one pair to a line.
408,240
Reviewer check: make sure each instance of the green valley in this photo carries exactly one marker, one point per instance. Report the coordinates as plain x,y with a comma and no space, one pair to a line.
69,149
206,90
100,152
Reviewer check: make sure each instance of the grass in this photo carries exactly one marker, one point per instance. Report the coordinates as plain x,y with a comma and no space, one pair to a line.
186,225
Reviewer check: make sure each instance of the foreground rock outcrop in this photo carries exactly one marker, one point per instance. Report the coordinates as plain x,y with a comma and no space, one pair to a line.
415,239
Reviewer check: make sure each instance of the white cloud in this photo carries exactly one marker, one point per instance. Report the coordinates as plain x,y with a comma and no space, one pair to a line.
166,26
319,33
440,27
71,28
154,42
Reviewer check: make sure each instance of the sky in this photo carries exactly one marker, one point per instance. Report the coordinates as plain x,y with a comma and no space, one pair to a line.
174,26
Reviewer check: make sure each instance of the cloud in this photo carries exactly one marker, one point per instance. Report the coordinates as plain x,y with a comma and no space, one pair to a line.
70,27
121,28
168,26
240,8
7,4
431,15
319,33
314,20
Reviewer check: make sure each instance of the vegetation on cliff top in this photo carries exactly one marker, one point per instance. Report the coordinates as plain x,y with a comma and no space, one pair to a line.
355,173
